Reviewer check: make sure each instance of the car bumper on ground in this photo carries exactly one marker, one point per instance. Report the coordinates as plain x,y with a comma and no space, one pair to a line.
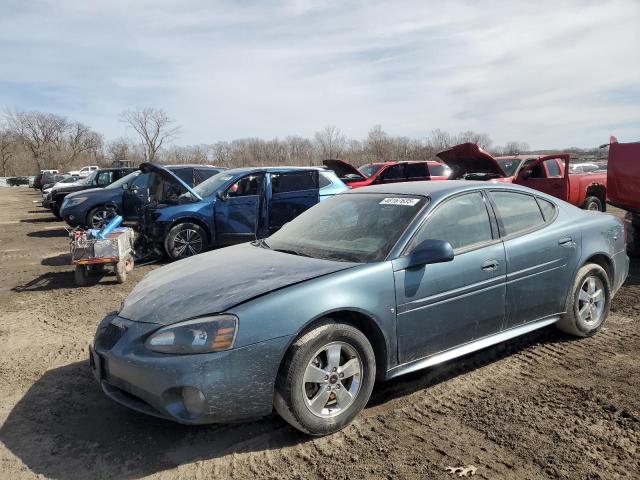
193,389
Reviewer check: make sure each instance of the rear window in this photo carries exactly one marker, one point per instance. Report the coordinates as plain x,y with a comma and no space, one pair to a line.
294,181
517,211
548,209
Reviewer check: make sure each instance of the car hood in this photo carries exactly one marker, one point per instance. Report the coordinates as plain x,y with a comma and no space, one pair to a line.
77,193
470,158
167,175
344,170
216,281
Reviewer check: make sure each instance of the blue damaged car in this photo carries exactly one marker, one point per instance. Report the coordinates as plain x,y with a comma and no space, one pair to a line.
235,206
365,286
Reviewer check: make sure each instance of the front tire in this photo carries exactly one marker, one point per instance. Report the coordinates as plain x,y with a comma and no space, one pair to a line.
589,302
98,217
326,379
594,204
185,240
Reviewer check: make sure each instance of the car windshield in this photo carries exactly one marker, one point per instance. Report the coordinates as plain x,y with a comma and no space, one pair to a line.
126,179
509,165
212,184
88,180
370,169
68,180
350,228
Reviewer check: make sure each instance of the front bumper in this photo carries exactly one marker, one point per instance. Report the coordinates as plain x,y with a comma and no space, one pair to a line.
236,384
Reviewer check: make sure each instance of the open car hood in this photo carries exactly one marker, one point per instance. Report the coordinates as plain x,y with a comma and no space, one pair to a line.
470,158
167,175
216,281
344,170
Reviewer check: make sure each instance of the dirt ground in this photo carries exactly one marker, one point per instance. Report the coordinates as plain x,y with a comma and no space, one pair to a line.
543,406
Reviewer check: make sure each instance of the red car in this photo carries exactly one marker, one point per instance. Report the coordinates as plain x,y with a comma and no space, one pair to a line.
549,174
388,172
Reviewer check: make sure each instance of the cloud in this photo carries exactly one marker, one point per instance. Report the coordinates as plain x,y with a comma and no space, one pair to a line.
550,73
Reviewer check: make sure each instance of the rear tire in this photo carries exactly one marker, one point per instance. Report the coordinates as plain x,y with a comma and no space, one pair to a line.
593,204
588,303
121,271
185,240
81,275
325,379
632,224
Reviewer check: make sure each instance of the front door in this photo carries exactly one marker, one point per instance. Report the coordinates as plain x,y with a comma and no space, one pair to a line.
548,174
445,305
237,211
291,194
541,255
136,195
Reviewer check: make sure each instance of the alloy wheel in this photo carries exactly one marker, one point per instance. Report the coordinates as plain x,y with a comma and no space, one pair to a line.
187,242
99,219
591,300
332,379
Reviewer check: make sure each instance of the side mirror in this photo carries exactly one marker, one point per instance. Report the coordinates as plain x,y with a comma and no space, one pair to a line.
125,186
221,196
526,174
429,251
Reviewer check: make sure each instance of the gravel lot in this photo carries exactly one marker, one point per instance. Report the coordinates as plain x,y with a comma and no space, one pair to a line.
544,406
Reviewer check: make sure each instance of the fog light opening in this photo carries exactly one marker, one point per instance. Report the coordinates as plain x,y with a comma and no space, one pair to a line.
193,400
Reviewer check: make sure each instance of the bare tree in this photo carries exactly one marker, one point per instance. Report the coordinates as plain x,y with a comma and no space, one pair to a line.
512,148
7,149
331,141
379,144
154,126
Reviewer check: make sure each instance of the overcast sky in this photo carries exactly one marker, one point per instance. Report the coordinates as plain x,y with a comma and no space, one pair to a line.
553,74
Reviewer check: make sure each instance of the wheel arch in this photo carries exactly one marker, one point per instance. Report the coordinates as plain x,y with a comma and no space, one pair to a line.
605,262
599,191
363,322
198,221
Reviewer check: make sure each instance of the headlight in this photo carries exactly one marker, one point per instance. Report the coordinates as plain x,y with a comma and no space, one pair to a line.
202,335
72,202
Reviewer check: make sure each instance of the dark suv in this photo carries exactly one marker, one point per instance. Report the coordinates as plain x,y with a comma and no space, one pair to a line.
91,207
97,179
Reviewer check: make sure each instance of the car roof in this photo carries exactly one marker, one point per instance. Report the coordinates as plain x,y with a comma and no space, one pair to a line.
192,165
240,170
437,189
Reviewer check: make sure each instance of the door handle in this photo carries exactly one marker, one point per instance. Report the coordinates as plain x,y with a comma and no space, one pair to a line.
566,242
490,265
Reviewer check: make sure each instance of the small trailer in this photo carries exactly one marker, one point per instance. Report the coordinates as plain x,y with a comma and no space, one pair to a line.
94,254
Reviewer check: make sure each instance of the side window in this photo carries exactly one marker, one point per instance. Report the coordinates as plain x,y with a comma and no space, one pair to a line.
417,171
552,167
548,209
140,182
392,174
518,211
104,178
184,174
323,181
246,186
462,221
294,181
201,174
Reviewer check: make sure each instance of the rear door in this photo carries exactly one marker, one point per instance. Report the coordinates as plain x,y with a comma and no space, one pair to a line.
291,194
444,305
541,255
549,174
393,174
238,210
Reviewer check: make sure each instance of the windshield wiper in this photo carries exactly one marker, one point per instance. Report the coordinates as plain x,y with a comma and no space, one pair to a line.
291,252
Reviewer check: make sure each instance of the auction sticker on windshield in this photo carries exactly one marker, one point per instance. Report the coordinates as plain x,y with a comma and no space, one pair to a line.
409,202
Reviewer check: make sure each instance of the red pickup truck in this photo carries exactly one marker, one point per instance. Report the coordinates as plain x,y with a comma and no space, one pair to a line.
387,172
549,174
623,177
